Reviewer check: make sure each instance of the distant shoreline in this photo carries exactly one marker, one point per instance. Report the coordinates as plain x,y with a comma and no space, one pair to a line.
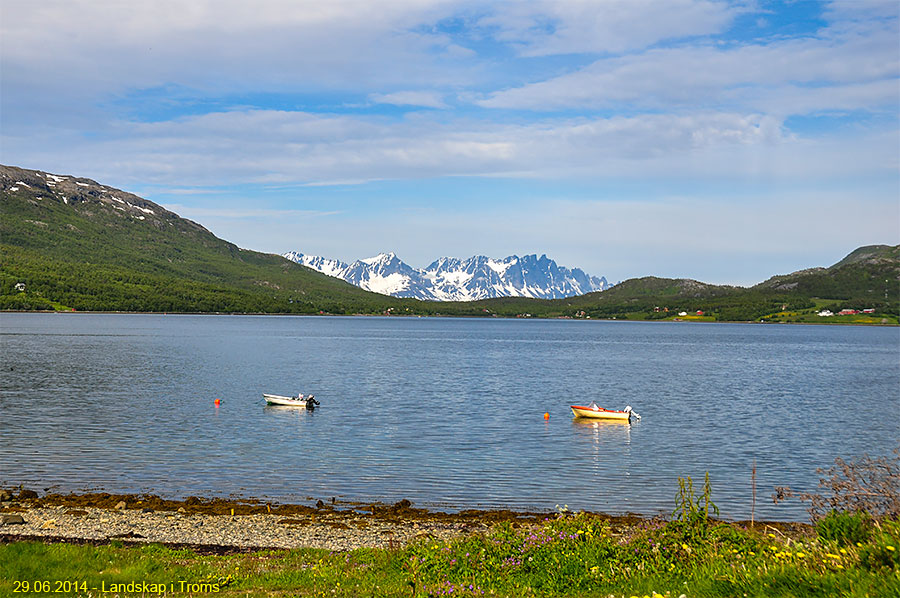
454,316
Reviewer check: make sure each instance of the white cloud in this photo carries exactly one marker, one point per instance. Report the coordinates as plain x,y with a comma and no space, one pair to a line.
278,146
248,213
856,69
603,26
219,47
295,147
428,99
853,64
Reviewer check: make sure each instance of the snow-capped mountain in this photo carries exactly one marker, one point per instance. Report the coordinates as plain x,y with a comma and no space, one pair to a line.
452,279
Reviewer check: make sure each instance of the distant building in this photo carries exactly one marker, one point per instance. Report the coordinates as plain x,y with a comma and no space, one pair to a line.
20,286
699,312
825,313
871,310
848,312
682,313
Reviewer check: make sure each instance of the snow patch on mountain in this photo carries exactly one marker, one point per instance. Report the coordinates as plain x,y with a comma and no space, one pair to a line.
453,279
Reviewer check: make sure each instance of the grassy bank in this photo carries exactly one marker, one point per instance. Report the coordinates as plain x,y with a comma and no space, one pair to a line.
566,555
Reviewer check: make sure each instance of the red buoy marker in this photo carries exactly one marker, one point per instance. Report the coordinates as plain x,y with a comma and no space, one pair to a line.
546,416
217,402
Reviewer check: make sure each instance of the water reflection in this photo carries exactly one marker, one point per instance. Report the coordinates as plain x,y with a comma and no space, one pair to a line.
613,431
289,410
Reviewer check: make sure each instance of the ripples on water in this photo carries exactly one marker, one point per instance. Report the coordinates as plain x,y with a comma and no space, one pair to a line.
445,412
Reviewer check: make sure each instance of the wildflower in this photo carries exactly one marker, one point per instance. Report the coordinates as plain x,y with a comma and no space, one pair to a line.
889,547
832,556
843,551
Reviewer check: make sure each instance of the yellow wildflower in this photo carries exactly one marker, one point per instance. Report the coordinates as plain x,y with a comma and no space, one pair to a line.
889,547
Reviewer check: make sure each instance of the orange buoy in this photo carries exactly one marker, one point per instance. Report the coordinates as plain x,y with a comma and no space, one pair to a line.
217,402
546,416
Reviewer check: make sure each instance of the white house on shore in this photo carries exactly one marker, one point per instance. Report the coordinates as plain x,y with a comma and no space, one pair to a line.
825,313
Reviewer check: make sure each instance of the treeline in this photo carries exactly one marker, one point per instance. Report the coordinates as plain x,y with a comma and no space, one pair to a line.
93,287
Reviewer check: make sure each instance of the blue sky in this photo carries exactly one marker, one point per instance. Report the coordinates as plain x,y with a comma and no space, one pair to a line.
722,141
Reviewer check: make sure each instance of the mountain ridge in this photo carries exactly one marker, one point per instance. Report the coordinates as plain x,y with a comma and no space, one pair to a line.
70,243
454,279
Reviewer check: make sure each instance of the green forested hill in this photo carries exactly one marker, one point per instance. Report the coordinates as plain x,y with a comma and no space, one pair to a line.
866,277
77,244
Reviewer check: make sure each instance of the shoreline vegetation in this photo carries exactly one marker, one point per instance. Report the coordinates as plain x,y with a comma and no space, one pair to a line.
835,321
97,544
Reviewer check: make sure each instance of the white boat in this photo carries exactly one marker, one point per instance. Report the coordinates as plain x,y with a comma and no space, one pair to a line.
302,401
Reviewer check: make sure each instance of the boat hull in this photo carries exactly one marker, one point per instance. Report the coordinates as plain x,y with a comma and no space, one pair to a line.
285,401
600,413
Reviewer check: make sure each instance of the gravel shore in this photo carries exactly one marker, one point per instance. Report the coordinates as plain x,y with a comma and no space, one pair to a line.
225,525
230,525
240,531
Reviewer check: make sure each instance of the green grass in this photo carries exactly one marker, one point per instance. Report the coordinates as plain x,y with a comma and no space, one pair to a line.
568,555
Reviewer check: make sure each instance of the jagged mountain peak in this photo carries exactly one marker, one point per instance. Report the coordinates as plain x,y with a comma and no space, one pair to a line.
455,279
381,258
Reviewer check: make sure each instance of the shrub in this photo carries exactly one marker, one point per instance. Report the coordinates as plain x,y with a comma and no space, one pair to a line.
864,485
845,528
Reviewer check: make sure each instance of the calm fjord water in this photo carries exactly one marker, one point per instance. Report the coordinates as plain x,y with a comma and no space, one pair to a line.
445,412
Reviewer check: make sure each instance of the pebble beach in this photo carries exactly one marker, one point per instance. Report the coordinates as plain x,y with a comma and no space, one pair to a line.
222,526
